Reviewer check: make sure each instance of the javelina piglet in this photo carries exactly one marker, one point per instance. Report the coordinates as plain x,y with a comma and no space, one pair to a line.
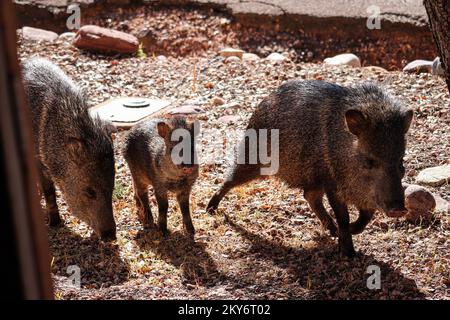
345,142
161,153
74,150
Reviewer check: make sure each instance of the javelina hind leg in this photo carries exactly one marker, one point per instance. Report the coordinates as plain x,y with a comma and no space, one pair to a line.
143,206
183,201
48,188
343,220
163,207
241,174
365,216
314,199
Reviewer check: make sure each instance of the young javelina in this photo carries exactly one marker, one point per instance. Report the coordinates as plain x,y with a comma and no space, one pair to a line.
75,150
161,153
347,143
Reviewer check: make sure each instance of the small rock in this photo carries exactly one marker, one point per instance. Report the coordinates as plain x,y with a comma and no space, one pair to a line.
161,58
436,68
276,57
419,66
217,101
68,36
420,203
35,34
230,52
229,119
186,110
96,38
442,205
435,176
232,59
375,69
250,57
348,59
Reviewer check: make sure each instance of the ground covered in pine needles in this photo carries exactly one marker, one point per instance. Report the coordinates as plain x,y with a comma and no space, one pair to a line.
264,242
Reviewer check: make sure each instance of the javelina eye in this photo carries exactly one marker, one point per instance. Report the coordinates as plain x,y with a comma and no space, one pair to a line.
369,163
90,193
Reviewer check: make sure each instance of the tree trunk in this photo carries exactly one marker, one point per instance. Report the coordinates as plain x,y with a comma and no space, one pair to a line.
439,17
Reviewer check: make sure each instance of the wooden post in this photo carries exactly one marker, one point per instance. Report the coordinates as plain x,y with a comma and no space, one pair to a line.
22,228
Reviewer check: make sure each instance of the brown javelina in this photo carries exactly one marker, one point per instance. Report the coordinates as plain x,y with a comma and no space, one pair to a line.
345,142
75,150
161,153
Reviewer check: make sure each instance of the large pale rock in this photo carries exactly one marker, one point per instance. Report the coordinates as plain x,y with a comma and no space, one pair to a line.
442,205
35,34
419,66
94,38
435,176
348,59
420,203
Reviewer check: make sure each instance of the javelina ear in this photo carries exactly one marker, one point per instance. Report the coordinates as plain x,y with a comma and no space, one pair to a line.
163,129
355,121
75,147
407,120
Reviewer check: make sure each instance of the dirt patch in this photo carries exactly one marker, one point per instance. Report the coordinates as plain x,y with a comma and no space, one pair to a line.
182,32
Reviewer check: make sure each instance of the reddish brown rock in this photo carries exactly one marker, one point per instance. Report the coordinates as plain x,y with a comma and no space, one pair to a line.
94,38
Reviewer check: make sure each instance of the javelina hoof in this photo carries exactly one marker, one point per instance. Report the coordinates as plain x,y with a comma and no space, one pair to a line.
108,236
164,231
190,231
346,248
212,206
54,220
333,230
346,252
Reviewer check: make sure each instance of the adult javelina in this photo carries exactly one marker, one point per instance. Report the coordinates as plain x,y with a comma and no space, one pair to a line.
75,150
149,151
347,143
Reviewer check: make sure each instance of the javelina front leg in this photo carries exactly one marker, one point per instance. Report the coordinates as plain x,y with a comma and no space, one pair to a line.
314,199
365,216
143,206
183,201
48,188
163,207
343,220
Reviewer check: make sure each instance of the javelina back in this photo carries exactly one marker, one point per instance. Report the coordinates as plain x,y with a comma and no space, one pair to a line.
345,142
150,150
75,150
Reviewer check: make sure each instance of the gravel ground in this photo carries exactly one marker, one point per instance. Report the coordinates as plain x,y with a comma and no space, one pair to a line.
271,246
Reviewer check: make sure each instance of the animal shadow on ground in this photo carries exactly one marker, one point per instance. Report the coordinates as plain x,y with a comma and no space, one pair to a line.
99,262
322,274
178,249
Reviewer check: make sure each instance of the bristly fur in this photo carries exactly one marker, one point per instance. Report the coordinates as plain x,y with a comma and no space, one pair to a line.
148,155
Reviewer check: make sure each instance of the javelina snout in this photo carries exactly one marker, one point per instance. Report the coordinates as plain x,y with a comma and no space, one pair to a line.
161,153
